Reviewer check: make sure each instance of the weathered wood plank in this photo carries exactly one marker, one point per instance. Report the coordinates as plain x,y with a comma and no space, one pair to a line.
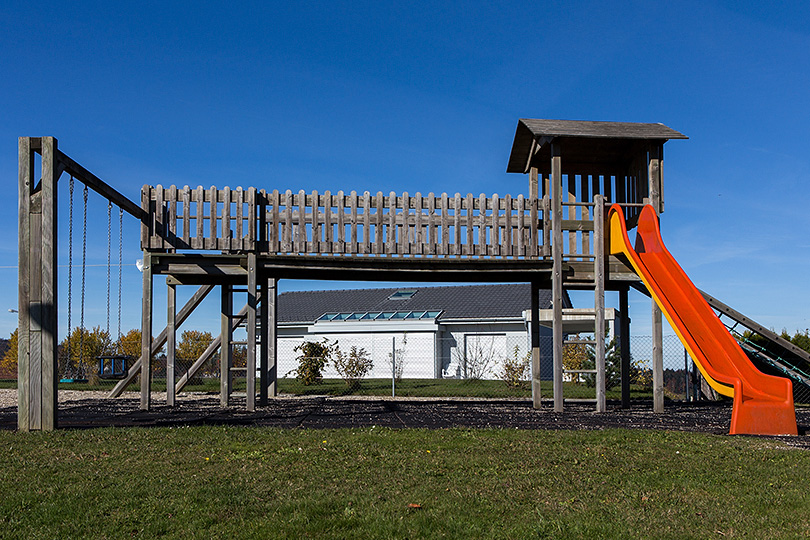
379,225
445,246
391,231
199,240
160,217
419,229
507,236
186,200
225,239
470,225
253,302
556,275
341,210
171,344
25,185
315,247
432,226
353,222
495,235
238,240
599,301
226,341
456,224
366,247
287,239
482,225
301,223
521,230
405,230
211,242
146,333
329,236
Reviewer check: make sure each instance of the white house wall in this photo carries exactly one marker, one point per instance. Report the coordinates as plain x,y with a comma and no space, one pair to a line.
414,349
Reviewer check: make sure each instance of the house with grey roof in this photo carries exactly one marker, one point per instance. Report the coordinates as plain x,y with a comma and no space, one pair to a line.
433,332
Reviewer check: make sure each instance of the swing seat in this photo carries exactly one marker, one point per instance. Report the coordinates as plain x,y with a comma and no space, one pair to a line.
113,367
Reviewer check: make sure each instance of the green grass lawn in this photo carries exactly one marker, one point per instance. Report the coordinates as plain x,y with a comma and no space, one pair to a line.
228,482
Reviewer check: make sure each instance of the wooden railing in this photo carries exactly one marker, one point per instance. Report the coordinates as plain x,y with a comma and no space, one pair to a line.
287,223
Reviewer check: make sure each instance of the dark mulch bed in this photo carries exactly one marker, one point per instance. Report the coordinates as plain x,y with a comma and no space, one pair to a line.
332,412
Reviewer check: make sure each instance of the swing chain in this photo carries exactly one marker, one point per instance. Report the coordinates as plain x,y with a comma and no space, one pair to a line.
84,264
70,269
120,261
109,249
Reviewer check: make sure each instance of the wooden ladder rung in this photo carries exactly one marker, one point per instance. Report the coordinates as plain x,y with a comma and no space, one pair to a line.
580,342
579,371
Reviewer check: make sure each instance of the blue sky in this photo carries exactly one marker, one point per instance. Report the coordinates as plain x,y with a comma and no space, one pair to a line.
422,97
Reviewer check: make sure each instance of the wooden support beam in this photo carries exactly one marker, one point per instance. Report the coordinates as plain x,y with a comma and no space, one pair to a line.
657,359
160,340
146,333
599,300
37,381
252,302
171,339
534,331
100,187
654,182
624,345
269,326
556,274
226,337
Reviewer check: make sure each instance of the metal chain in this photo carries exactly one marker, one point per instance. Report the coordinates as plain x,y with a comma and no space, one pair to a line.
84,265
109,254
120,265
70,270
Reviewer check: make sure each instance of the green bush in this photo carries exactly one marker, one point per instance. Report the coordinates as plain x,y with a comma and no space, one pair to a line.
313,358
352,367
515,370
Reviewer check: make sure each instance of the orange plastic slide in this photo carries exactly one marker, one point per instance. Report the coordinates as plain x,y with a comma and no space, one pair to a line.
763,404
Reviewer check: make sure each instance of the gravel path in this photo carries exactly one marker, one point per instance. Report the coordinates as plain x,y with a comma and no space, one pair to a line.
89,409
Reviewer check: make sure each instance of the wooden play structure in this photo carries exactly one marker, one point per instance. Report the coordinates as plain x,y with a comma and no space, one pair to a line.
245,240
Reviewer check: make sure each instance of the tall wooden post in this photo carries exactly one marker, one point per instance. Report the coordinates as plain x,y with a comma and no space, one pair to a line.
252,303
654,182
171,342
269,385
146,333
534,330
556,274
624,344
226,344
37,341
599,299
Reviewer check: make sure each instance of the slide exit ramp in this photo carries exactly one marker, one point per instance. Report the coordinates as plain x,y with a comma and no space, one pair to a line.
763,404
768,350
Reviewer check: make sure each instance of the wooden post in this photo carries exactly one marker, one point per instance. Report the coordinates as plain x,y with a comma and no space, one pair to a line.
654,182
534,201
171,342
534,331
146,333
226,344
599,299
37,285
269,299
624,337
250,376
264,333
556,275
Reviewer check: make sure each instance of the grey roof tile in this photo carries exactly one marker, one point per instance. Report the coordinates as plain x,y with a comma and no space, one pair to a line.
456,302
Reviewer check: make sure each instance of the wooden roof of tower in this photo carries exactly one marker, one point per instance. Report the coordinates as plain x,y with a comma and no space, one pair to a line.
587,146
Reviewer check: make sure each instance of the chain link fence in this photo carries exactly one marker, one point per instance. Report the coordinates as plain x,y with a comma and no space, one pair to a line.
471,365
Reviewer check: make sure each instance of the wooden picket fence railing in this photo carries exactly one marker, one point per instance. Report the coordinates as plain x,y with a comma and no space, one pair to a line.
287,223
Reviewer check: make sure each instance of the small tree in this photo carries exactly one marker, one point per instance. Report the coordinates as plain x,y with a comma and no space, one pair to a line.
129,344
613,365
352,367
575,355
192,345
516,370
313,358
81,349
398,358
9,361
477,358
